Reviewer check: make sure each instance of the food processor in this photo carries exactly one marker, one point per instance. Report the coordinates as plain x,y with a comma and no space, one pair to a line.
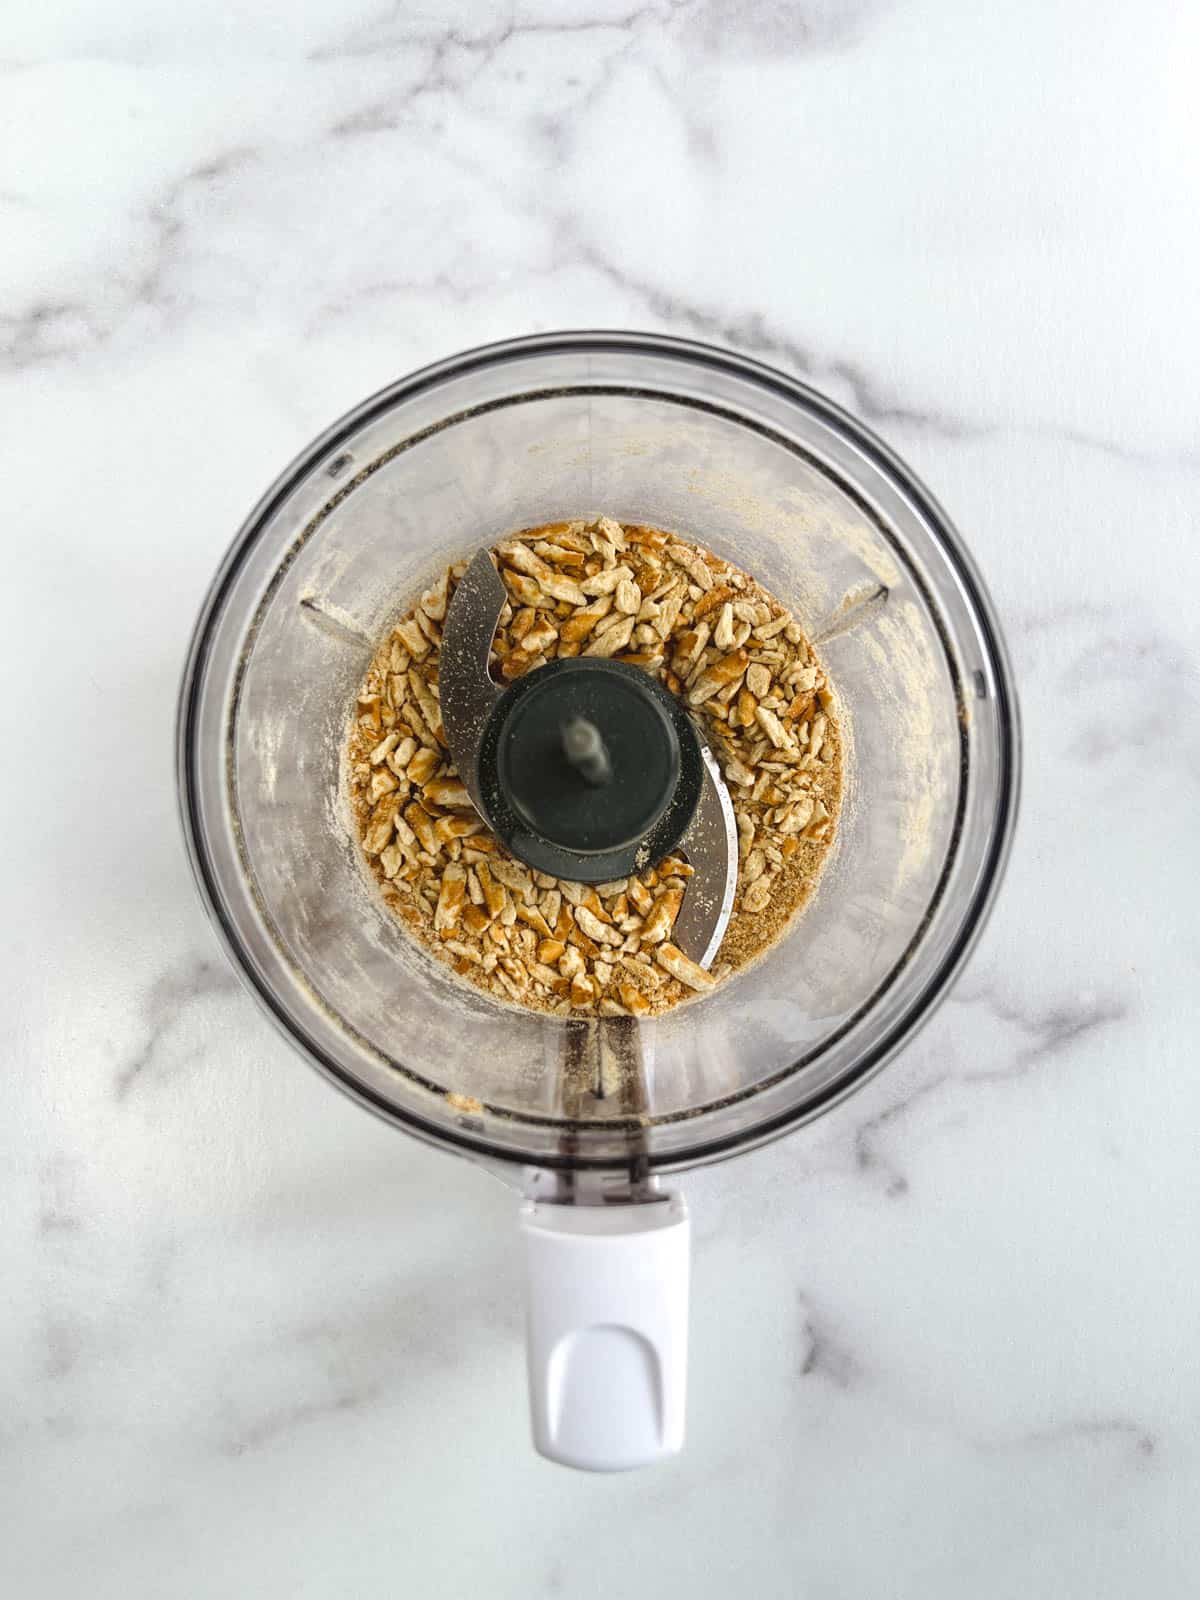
591,1120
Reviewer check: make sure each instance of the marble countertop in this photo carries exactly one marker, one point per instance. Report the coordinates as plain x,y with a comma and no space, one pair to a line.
944,1342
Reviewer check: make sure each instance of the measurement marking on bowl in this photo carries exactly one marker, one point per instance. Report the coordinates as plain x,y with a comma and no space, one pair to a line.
980,683
861,605
334,621
339,464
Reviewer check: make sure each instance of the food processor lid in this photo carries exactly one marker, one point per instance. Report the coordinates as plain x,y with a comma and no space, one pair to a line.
588,769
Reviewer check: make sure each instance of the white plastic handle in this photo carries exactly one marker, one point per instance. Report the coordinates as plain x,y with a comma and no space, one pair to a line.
607,1331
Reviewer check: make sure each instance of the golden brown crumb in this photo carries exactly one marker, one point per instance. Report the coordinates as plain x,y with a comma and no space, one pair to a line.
717,639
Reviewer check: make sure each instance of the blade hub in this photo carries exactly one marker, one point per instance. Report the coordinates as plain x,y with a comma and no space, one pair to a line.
644,785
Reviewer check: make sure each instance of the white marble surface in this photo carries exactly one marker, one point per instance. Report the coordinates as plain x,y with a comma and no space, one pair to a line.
946,1343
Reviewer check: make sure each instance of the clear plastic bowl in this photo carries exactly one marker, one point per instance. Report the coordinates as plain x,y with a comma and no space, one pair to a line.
769,474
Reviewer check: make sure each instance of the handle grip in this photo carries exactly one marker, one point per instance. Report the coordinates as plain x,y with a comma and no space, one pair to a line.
607,1331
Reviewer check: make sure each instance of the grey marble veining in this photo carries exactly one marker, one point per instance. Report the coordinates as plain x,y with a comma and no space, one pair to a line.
944,1341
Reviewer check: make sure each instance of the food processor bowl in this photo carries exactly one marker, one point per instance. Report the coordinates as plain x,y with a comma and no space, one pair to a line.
586,1117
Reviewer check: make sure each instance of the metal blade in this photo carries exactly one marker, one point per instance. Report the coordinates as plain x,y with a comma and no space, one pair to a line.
465,688
468,696
711,846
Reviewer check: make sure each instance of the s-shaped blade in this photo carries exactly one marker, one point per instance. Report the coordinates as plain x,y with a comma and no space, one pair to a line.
468,696
465,689
711,846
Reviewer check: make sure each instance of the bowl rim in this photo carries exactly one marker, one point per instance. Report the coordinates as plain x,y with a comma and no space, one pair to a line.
618,342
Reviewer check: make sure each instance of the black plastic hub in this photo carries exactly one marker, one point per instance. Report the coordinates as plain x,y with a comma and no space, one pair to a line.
589,769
